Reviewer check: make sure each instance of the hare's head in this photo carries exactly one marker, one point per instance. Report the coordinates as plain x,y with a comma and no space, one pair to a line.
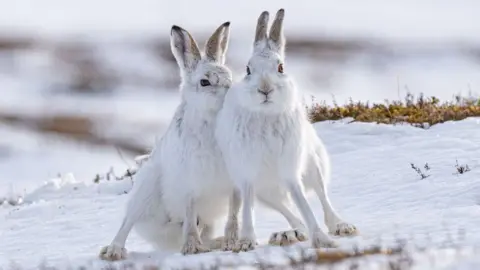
205,78
267,85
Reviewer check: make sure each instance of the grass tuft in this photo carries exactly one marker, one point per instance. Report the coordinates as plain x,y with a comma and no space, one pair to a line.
421,111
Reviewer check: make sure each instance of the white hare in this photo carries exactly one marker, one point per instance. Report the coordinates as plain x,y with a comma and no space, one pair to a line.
269,146
181,188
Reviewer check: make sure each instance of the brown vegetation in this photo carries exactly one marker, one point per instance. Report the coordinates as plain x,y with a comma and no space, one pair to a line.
420,112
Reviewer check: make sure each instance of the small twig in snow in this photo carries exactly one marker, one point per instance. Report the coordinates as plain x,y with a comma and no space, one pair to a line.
461,169
419,171
426,166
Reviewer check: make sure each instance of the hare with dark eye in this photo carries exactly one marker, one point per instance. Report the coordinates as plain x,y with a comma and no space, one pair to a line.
181,189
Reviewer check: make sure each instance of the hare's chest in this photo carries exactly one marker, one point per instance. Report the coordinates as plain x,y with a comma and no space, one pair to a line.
204,160
203,155
271,139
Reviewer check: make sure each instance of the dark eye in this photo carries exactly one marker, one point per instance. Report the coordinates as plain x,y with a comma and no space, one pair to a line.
204,82
280,68
248,71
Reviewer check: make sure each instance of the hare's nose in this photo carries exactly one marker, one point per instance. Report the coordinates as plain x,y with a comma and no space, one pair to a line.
264,92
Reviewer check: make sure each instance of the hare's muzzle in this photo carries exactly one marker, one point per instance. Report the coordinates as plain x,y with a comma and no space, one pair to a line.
265,92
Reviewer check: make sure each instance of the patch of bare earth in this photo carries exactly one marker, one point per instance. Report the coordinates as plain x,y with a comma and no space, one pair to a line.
80,128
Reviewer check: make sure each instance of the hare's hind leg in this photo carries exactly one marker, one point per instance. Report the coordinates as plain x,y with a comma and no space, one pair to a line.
136,210
317,236
288,237
335,224
116,250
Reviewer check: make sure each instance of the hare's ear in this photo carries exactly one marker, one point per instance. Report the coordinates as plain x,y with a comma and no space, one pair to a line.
217,44
276,37
261,30
184,48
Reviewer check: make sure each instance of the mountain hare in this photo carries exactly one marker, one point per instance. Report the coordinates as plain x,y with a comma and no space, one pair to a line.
270,148
181,189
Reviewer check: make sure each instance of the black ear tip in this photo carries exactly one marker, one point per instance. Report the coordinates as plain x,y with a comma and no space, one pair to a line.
176,28
226,24
264,16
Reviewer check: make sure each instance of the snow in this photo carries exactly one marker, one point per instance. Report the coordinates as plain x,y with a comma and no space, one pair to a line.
66,220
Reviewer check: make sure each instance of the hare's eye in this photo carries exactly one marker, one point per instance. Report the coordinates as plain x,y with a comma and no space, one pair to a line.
204,82
280,68
248,71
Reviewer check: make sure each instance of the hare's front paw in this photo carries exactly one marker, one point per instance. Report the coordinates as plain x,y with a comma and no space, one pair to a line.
113,252
228,244
320,240
231,237
244,244
194,246
343,229
286,238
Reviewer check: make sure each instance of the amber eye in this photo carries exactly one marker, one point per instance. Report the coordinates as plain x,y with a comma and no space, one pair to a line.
248,71
204,82
280,68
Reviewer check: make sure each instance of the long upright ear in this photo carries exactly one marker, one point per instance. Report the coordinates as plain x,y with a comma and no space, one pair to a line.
262,26
184,48
276,37
217,44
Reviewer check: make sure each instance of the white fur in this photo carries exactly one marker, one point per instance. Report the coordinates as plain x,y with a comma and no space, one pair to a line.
269,145
184,178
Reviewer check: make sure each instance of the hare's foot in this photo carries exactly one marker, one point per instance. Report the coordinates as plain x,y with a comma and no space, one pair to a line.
343,229
194,246
113,252
244,244
286,238
231,236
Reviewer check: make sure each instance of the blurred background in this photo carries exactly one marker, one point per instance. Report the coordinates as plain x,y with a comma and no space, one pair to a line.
85,85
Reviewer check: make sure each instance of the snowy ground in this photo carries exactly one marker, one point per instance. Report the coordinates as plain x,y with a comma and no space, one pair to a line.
66,221
429,46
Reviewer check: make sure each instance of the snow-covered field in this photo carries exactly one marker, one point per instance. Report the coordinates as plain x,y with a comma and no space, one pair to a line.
66,220
429,46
